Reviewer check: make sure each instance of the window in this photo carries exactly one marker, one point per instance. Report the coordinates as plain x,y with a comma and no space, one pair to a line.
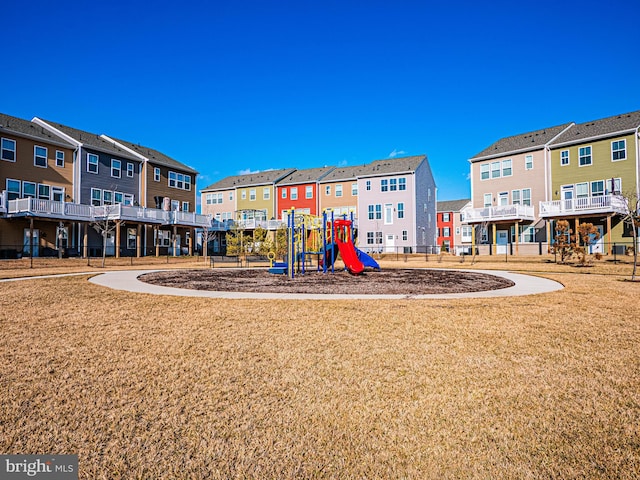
402,184
107,197
118,197
378,212
116,168
128,199
400,210
40,156
506,168
597,188
209,198
243,195
617,186
156,174
129,169
96,197
284,193
487,200
484,171
582,190
180,181
175,205
327,190
13,189
388,213
515,197
28,189
231,196
294,193
367,185
495,170
584,156
8,150
308,192
379,238
393,184
526,196
467,233
369,238
185,206
338,190
92,163
44,191
405,235
252,195
131,238
59,158
446,232
266,193
618,150
58,194
528,162
446,217
384,185
371,212
564,158
173,179
354,189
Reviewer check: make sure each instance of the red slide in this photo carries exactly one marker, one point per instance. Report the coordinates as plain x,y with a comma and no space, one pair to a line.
346,247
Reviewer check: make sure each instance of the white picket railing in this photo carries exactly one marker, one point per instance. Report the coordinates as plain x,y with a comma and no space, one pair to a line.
583,205
502,212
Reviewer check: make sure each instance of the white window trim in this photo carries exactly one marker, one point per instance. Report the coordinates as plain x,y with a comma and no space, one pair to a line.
590,156
119,170
568,158
89,163
46,154
59,152
526,162
130,169
625,150
157,174
15,148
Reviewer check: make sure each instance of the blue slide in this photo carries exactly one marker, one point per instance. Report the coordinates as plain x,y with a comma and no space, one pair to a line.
367,260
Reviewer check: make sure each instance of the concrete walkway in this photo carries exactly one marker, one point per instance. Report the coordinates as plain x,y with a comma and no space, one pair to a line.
128,280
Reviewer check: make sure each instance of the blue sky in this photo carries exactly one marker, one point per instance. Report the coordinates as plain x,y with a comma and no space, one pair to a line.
233,87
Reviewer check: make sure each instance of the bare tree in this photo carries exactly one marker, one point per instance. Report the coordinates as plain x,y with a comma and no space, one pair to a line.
631,216
104,227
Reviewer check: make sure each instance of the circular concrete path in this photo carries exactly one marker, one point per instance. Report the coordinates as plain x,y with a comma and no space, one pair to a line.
128,280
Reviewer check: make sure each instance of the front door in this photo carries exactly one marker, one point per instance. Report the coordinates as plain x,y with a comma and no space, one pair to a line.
567,197
597,246
390,244
26,245
501,241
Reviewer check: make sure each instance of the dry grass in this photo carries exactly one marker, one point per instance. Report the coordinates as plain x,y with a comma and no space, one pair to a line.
545,386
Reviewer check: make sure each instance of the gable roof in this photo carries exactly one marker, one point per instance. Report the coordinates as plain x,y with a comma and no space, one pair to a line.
610,126
153,156
309,175
25,128
90,140
522,142
343,173
268,177
452,205
393,166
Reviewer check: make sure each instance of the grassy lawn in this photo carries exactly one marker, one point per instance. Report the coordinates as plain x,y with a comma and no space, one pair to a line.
142,387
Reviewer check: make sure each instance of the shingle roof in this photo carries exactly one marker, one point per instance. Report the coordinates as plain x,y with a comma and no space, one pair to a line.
305,176
522,142
452,205
30,129
343,173
155,156
92,140
392,165
251,179
609,126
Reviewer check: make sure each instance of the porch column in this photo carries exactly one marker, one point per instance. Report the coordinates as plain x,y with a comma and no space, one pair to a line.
191,234
547,225
117,238
138,238
174,239
473,240
517,224
156,230
494,242
575,229
609,236
85,241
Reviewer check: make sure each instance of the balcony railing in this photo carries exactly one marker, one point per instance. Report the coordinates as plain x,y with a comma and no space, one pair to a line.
3,202
502,212
88,213
583,206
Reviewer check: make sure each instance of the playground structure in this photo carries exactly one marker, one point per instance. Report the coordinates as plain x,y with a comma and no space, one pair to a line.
324,237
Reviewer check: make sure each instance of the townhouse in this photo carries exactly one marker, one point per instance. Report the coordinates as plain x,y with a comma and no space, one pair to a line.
299,190
453,235
521,185
397,206
95,178
338,190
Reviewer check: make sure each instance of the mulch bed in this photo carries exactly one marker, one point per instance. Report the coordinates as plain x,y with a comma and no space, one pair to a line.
392,281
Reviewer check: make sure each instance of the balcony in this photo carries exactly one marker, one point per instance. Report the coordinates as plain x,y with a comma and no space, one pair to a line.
598,205
80,212
499,214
